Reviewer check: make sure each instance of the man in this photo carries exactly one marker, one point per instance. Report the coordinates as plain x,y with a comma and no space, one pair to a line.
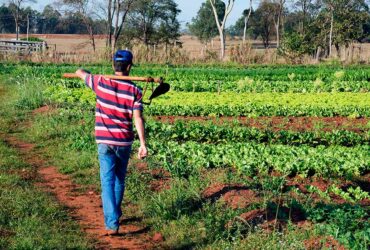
117,103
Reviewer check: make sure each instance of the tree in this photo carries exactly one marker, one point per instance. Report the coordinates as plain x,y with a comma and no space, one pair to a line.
71,23
6,17
246,19
349,23
152,22
15,7
279,8
366,29
82,8
51,20
168,30
294,46
305,9
263,21
344,21
221,24
334,24
204,27
330,5
120,10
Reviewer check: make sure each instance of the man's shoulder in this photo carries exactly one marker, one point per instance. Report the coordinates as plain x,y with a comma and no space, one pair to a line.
124,83
130,83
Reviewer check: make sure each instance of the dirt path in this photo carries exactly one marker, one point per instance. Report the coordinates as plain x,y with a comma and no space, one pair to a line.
84,207
279,123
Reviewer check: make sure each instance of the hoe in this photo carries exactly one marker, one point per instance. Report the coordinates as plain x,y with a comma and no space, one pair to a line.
160,90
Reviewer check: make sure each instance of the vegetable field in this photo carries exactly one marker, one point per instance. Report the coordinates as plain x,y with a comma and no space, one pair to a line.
264,157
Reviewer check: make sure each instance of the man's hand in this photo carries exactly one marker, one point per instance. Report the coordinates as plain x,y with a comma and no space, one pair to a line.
82,73
139,124
143,152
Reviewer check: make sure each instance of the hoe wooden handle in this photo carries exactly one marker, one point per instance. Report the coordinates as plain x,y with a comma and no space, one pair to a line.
125,78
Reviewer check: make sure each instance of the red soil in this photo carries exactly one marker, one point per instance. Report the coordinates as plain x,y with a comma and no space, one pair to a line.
85,207
323,184
303,183
158,237
318,243
43,109
6,233
269,220
240,198
278,123
161,178
234,196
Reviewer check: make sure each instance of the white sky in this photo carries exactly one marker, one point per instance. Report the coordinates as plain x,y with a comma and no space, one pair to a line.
189,9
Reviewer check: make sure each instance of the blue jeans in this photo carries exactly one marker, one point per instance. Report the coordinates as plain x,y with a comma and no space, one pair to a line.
113,165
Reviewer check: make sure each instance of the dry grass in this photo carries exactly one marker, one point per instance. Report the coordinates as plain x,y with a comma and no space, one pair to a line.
77,48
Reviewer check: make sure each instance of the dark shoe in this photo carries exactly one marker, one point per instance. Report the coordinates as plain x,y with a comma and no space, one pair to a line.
111,232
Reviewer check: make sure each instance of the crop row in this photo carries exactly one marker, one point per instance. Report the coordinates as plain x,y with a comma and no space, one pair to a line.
249,85
234,132
173,73
272,99
253,110
255,80
231,104
184,159
246,86
279,73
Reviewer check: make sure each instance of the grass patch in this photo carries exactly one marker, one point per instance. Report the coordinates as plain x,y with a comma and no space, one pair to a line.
29,218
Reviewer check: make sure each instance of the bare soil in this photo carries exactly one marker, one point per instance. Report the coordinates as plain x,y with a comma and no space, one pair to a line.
161,178
86,207
42,110
318,243
269,220
278,123
322,184
276,216
234,196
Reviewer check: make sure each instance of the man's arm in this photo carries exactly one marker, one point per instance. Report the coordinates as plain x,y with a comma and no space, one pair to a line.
82,74
139,124
87,78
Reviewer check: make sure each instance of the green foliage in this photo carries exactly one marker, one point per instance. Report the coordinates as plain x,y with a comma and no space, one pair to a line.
48,21
295,46
265,104
352,194
30,94
203,26
237,132
186,159
347,223
205,79
262,21
32,39
152,22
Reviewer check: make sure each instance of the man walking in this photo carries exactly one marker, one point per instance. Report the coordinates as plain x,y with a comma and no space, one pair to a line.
118,103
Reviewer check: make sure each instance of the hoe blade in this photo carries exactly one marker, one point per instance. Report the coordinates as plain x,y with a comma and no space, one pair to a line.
163,88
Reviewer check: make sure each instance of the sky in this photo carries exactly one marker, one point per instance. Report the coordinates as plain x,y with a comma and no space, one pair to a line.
189,9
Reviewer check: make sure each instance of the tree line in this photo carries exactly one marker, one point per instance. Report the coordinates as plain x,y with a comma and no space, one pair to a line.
124,22
298,27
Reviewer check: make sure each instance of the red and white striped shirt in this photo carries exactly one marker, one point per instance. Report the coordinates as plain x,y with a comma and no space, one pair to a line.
115,103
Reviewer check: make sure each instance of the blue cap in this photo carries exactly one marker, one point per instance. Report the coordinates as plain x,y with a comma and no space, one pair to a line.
123,55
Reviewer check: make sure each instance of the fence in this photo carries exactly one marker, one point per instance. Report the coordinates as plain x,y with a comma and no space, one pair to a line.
21,47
